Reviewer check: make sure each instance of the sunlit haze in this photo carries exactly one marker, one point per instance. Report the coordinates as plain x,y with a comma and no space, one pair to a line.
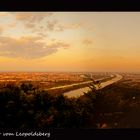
70,41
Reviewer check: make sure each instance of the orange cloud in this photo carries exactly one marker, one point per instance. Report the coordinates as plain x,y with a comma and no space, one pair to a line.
28,47
31,16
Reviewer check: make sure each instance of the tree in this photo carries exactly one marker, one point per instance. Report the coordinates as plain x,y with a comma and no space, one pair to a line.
26,86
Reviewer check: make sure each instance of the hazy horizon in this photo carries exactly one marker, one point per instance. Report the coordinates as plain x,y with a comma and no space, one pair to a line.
70,41
33,71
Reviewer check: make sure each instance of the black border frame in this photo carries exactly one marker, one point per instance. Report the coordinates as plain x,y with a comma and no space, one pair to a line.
79,6
69,5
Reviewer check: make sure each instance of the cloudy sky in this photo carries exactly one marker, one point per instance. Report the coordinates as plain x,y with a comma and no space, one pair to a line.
69,41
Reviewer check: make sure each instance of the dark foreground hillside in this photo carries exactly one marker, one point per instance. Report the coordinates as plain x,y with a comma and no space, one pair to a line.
26,107
116,106
119,106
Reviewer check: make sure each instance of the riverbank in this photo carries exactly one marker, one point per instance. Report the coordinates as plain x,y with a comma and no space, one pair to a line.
79,92
118,106
81,87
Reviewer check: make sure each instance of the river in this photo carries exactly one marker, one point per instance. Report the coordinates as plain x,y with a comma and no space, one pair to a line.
79,92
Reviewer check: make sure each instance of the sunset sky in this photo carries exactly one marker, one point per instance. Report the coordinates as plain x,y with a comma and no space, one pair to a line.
70,41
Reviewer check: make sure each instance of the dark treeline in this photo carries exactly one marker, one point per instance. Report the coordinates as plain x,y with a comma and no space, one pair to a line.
24,106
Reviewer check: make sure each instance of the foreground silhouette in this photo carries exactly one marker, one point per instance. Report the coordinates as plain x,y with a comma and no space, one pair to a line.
26,107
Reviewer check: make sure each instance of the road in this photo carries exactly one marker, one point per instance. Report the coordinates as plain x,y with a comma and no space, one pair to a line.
71,85
76,84
79,92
